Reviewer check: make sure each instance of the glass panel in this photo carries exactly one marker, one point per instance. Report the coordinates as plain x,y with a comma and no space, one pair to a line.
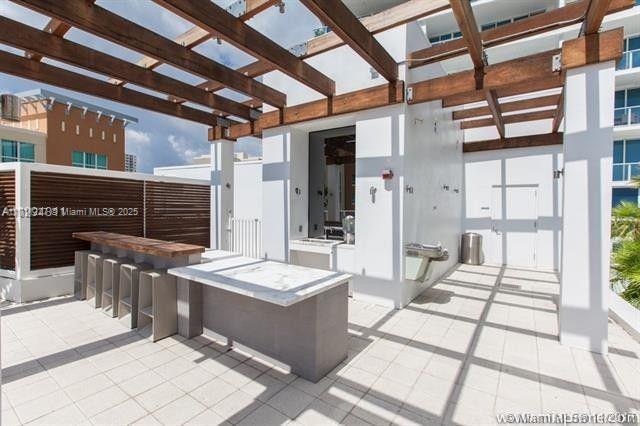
27,152
445,37
434,39
488,26
505,22
632,154
77,158
457,34
620,99
623,63
634,170
620,117
102,161
9,151
618,153
618,170
634,115
624,194
633,43
633,97
634,58
89,160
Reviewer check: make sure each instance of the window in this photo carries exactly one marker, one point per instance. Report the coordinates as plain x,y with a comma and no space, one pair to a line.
115,138
627,107
103,135
90,132
18,151
629,195
488,26
63,126
77,129
89,160
626,159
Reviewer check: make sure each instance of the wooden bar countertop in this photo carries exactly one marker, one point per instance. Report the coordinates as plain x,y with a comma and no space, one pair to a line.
139,244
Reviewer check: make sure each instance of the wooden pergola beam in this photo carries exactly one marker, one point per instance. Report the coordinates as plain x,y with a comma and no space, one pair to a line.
25,37
585,50
524,104
463,13
196,35
373,97
343,22
55,27
516,142
531,86
216,20
509,119
390,18
498,76
562,17
20,66
110,26
496,114
594,16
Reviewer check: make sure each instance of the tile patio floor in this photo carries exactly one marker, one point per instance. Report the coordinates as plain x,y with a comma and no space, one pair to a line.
480,342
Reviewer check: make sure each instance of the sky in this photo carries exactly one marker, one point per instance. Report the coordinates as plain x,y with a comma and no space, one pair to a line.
160,140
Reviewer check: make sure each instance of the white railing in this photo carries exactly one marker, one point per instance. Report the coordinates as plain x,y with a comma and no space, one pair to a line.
245,236
630,59
623,172
626,116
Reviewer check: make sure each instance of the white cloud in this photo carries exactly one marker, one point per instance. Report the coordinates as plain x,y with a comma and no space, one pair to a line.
136,138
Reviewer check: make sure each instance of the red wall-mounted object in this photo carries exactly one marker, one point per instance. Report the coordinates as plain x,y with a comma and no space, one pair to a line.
387,174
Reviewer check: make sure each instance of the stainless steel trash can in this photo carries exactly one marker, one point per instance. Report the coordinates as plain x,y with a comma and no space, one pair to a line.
471,251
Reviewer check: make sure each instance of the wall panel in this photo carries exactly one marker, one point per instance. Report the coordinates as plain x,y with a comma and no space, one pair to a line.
178,212
7,222
51,242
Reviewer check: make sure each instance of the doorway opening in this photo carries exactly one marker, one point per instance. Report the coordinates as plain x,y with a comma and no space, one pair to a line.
332,180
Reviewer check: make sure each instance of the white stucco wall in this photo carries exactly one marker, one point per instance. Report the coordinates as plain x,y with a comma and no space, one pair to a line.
490,171
285,181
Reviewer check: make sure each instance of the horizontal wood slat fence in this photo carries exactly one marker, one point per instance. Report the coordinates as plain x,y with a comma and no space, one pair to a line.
7,221
178,212
168,211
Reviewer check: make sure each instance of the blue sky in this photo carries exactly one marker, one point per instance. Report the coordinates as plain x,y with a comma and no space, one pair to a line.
160,140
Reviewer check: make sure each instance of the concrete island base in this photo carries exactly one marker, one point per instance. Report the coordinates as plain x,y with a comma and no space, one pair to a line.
309,337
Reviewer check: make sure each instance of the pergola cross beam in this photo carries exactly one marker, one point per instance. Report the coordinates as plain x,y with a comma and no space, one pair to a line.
30,39
463,13
216,20
110,26
195,36
339,18
39,71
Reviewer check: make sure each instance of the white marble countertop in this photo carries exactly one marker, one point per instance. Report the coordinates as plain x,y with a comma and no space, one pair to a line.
269,281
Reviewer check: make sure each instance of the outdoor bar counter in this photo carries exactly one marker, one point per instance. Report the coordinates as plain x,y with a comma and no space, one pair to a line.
293,315
159,253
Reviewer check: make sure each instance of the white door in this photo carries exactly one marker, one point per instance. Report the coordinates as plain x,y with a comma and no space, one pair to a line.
514,218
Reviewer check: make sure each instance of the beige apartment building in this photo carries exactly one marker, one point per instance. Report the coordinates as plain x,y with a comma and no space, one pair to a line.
57,129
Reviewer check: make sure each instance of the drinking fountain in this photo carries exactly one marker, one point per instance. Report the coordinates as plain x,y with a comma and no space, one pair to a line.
419,259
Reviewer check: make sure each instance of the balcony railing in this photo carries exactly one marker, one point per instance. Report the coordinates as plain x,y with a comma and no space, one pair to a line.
627,115
623,172
630,59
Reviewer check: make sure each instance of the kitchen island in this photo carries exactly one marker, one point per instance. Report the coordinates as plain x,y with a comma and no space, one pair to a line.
295,316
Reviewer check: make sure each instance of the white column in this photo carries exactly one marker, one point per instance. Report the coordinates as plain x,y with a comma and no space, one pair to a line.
588,145
221,192
285,182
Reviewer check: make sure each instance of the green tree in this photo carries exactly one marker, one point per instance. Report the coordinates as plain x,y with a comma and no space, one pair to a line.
625,226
